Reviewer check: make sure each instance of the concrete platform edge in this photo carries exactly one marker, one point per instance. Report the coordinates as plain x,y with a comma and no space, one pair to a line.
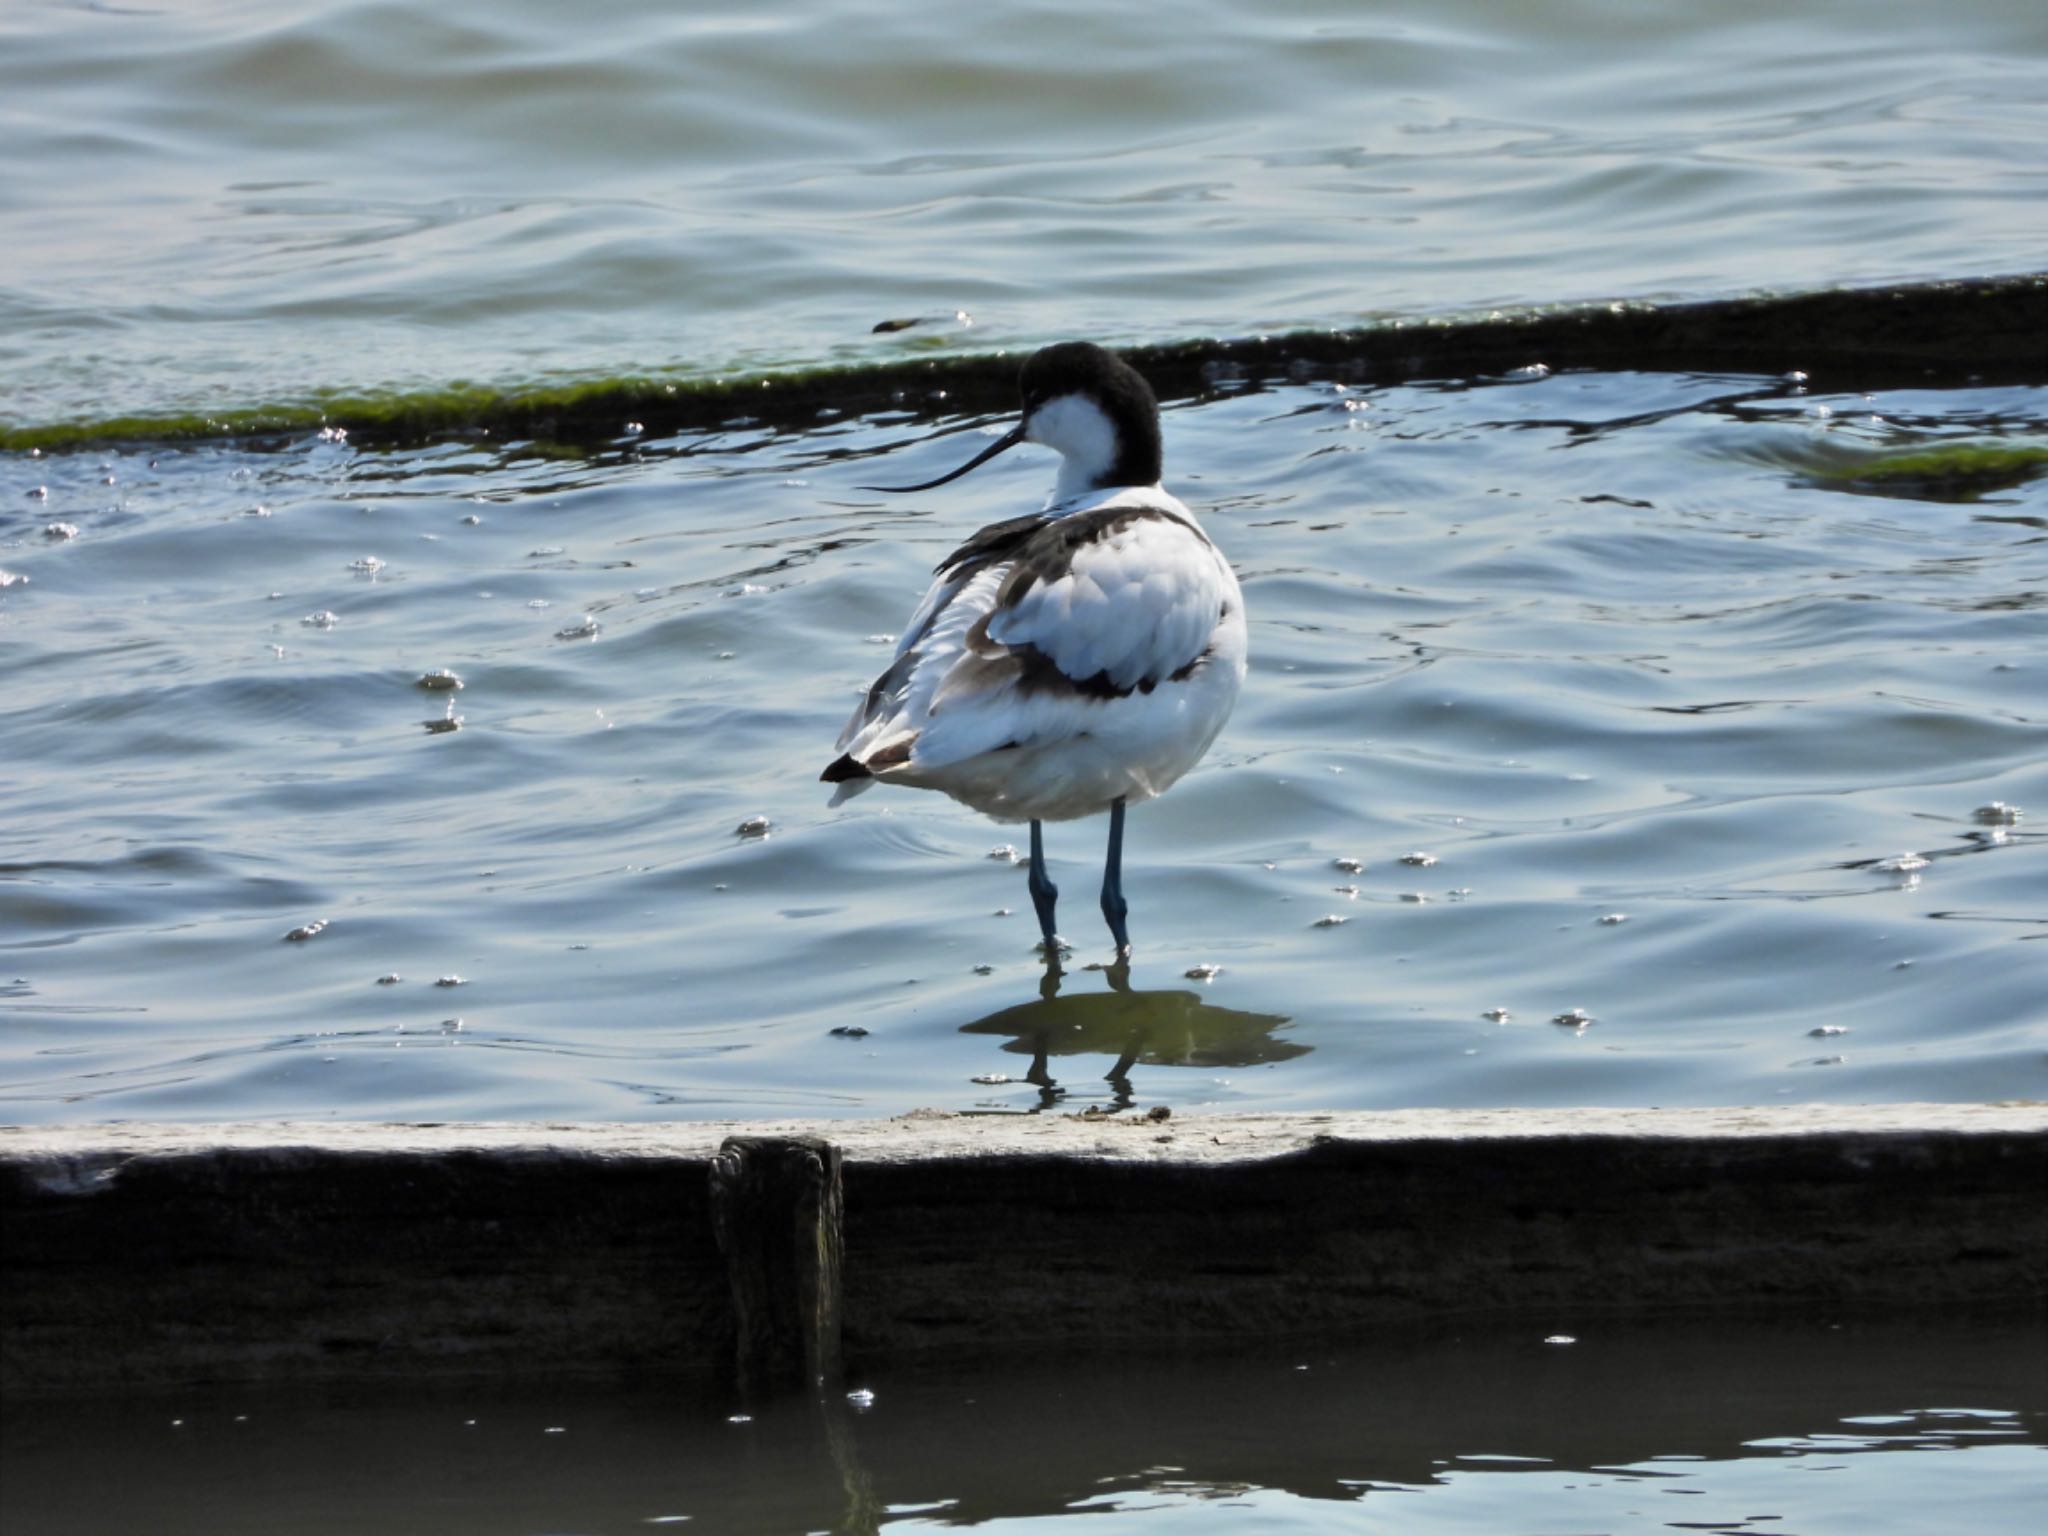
165,1255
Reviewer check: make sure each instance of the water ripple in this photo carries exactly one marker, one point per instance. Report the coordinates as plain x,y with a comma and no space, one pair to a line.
1636,669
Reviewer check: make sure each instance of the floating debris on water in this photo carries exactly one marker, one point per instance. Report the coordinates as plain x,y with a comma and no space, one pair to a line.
546,551
37,493
861,1398
1004,853
1904,864
1998,814
1573,1018
12,579
1826,1031
449,981
984,970
59,532
585,628
1330,920
1497,1015
451,1026
441,680
1822,1061
1419,860
1415,898
1613,919
389,979
992,1079
849,1031
891,326
754,826
1345,866
446,723
1561,1339
1203,972
306,931
321,620
1348,892
257,511
471,520
369,565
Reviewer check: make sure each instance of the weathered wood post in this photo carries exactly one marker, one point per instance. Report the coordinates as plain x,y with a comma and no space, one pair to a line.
778,1212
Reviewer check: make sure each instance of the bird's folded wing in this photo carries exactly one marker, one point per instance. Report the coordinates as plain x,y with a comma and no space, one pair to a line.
1124,610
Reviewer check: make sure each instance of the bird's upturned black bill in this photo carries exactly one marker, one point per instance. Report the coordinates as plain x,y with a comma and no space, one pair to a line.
1009,439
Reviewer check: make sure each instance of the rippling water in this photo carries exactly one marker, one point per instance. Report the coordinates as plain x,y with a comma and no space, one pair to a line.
1855,1429
231,203
1656,684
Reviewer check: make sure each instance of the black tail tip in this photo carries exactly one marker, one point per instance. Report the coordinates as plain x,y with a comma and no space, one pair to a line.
842,769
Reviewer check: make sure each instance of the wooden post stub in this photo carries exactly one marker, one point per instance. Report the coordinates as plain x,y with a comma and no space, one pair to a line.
778,1212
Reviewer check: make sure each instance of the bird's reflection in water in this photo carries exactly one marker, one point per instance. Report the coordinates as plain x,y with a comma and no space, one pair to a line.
1170,1027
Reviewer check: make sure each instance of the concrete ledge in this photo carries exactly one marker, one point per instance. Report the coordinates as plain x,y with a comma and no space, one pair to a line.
165,1255
1978,329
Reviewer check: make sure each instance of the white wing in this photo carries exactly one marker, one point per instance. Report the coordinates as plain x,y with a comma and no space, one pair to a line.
1135,606
1035,622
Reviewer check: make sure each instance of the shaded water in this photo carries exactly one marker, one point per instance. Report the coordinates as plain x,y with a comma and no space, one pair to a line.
1861,1429
250,202
1658,679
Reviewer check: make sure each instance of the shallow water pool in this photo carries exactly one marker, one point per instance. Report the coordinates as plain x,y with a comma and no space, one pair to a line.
1643,702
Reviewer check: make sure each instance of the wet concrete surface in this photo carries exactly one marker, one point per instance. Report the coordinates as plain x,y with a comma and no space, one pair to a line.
161,1255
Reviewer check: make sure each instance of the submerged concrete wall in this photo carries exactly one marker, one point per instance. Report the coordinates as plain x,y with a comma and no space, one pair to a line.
1946,332
169,1255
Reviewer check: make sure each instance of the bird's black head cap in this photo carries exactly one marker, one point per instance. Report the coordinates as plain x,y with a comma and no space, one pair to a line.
1083,368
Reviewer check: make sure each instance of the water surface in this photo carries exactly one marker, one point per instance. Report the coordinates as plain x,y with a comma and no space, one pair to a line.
233,204
1596,692
1855,1428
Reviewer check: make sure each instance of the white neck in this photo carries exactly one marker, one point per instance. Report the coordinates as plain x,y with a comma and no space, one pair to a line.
1085,437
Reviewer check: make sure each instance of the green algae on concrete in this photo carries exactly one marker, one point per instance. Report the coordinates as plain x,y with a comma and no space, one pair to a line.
1944,472
1940,332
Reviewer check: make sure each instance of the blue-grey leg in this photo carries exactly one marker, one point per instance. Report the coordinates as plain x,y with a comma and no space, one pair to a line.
1043,892
1114,908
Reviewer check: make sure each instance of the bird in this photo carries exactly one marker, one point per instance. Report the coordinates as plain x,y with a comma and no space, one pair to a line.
1071,661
